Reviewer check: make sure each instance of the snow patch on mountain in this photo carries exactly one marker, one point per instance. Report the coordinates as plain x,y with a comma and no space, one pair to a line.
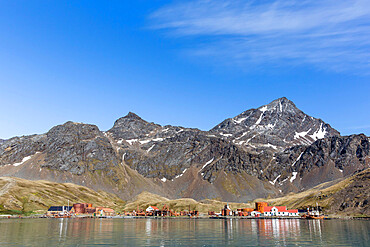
180,175
270,146
207,163
158,139
150,148
297,159
298,135
258,121
23,160
238,121
294,175
263,109
131,141
319,134
273,183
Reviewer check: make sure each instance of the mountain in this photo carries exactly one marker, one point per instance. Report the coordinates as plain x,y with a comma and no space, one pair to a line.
179,158
72,152
278,125
269,151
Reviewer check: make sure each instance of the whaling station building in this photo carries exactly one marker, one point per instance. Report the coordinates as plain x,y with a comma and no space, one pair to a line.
261,209
80,209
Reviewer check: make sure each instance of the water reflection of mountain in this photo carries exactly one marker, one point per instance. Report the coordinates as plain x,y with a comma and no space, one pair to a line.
186,232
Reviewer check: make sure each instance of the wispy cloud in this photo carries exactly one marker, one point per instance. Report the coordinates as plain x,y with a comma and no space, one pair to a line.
330,34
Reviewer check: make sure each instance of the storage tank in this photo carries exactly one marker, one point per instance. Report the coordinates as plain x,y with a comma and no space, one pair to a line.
90,210
79,208
225,212
260,206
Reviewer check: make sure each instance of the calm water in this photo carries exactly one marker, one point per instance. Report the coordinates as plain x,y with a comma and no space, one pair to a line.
183,232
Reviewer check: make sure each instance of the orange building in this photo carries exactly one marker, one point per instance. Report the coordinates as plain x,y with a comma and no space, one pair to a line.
101,211
260,206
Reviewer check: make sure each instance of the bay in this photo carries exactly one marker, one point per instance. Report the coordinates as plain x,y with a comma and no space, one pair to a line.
183,232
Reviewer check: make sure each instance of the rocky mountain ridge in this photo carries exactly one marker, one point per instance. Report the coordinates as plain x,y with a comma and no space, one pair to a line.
324,160
279,124
271,150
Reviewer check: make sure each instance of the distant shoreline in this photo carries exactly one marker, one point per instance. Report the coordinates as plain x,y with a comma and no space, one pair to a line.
190,218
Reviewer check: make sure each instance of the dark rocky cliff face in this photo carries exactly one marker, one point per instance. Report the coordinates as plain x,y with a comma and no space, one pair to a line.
255,154
332,158
76,147
71,147
14,150
354,198
303,167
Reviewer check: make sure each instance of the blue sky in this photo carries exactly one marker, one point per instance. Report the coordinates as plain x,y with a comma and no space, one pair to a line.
188,63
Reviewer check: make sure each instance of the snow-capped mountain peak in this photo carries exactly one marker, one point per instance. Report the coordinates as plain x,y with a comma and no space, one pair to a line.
278,124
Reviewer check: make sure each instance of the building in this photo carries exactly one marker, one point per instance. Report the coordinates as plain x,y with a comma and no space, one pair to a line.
267,210
244,211
101,211
293,212
260,206
255,214
84,208
152,209
279,211
57,210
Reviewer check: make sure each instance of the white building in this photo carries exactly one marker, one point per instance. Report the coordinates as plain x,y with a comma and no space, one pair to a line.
255,214
151,209
279,211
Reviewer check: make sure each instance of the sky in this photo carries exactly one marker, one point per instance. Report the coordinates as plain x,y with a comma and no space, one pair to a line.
187,63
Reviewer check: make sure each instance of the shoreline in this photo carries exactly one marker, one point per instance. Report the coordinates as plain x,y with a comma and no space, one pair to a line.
185,217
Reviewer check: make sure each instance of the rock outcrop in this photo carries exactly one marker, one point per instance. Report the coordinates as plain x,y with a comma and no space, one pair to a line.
353,199
327,159
72,147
